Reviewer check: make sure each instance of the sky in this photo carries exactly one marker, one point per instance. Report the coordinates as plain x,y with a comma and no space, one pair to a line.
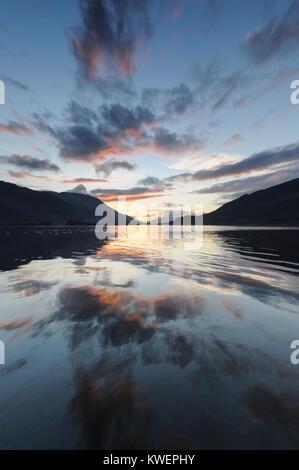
161,101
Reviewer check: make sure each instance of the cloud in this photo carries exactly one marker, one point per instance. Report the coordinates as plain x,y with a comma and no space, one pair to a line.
172,102
275,38
114,87
180,97
233,140
228,86
177,9
117,130
256,162
171,143
150,181
19,175
119,192
124,118
262,161
81,142
30,163
154,181
84,180
252,183
109,36
16,128
130,194
15,83
214,87
109,166
80,115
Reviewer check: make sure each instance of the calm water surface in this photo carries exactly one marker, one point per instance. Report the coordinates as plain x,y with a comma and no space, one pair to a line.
144,344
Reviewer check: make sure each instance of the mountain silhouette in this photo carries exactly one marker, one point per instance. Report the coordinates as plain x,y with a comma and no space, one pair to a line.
22,206
277,205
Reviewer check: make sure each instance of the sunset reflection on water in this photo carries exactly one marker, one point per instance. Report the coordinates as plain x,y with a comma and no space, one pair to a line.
138,343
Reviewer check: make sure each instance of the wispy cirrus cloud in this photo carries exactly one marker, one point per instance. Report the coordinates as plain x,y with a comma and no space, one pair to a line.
15,83
28,162
109,35
215,88
233,140
23,174
177,9
252,183
279,157
135,193
109,166
256,162
16,128
275,38
83,180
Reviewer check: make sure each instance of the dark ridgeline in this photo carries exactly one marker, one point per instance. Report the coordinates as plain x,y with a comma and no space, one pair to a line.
277,205
23,206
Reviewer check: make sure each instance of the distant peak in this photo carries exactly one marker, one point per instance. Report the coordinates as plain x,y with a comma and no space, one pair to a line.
80,189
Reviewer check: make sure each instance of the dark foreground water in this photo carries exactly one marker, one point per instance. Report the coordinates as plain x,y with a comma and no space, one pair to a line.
139,344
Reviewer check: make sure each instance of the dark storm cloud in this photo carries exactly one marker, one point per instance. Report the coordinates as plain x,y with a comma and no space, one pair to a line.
30,163
110,35
15,83
109,166
275,38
